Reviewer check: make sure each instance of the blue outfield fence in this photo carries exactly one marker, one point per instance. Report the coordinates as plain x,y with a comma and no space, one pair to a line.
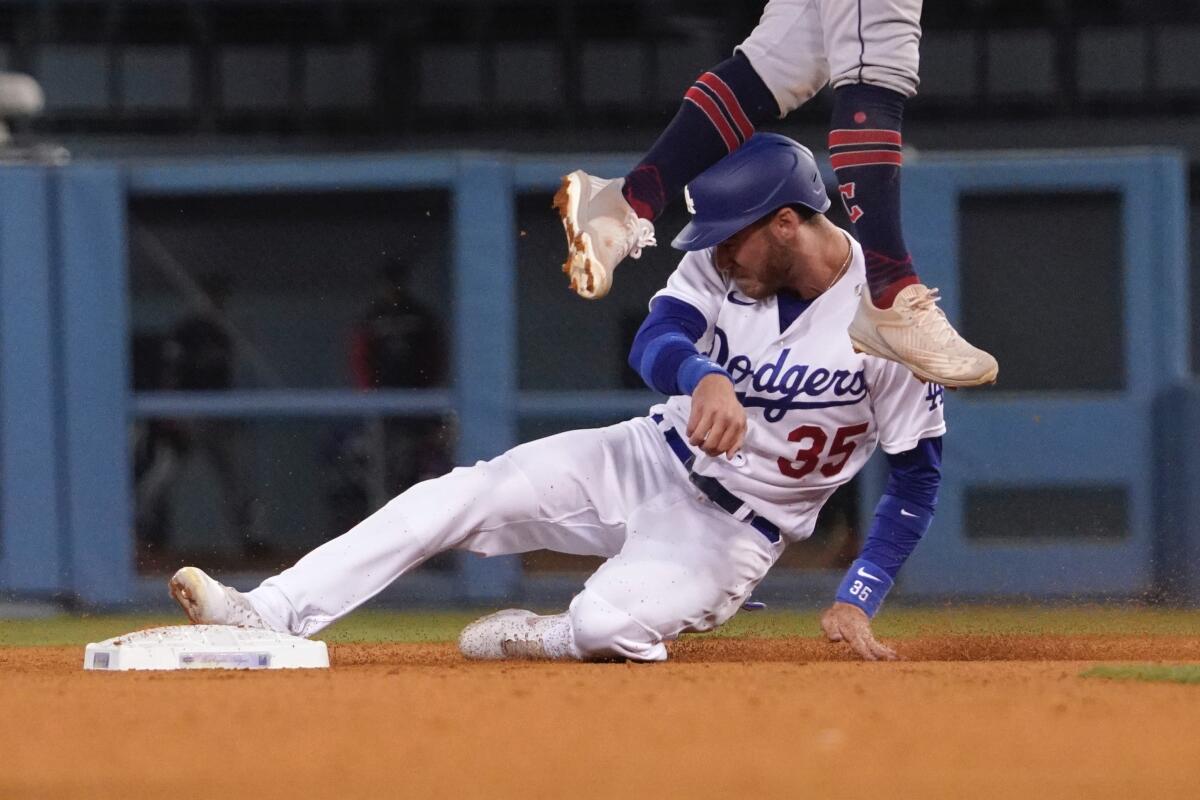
66,514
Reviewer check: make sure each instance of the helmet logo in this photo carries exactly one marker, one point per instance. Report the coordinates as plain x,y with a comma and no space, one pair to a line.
687,198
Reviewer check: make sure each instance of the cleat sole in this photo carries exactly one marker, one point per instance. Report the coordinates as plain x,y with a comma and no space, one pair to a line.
580,266
861,347
179,591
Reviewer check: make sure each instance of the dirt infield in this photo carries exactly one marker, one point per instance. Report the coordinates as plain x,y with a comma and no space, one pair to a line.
965,716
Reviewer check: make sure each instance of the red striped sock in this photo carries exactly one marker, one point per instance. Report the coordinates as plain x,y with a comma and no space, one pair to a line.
718,114
865,151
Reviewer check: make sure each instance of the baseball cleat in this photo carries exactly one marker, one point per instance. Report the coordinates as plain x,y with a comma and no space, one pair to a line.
207,602
508,634
602,229
915,332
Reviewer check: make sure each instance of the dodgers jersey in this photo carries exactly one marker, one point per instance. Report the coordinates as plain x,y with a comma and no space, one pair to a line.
815,409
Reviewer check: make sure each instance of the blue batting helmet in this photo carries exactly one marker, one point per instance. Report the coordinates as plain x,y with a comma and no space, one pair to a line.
765,174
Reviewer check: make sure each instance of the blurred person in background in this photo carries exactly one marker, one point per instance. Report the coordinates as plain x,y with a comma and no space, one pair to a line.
158,446
198,354
397,343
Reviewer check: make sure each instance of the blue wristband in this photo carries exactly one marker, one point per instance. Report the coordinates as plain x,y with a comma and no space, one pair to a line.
693,369
865,586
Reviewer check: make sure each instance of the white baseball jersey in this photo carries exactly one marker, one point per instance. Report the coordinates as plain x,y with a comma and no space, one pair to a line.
815,409
801,45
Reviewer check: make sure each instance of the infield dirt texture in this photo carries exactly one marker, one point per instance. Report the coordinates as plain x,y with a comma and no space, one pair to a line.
980,709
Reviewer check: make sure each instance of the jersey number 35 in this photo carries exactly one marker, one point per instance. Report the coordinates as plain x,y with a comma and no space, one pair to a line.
808,457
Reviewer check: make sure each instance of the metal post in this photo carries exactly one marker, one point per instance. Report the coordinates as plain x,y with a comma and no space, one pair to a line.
485,339
31,534
94,324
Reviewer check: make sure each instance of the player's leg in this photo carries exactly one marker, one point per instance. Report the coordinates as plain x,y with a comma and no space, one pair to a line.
779,67
872,47
719,112
873,54
560,493
345,572
685,566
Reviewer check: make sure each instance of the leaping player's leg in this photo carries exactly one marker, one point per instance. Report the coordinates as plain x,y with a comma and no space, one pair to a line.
873,56
779,67
720,111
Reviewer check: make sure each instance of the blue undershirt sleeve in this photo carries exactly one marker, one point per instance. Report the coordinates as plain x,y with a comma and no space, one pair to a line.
902,517
664,349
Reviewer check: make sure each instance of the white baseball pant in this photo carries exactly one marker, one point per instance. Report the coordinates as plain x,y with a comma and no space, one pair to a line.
801,45
676,562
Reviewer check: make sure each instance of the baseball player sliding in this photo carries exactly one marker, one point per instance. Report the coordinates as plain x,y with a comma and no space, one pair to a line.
867,50
769,411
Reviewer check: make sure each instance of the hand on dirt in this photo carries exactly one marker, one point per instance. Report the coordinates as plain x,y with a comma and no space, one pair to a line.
843,622
718,421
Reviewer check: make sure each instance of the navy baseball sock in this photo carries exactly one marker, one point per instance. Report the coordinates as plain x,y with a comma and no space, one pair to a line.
719,113
864,147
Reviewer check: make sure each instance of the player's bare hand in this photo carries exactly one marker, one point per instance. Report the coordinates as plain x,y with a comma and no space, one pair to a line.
843,622
718,421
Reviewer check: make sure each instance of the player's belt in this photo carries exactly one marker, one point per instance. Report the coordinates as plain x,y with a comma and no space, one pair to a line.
712,488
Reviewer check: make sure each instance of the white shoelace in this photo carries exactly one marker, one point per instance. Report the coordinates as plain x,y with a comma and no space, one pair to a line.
926,312
641,233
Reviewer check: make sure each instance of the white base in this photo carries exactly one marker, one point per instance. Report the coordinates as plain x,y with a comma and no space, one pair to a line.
205,647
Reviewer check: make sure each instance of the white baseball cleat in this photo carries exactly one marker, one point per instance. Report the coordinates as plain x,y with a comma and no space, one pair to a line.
207,602
508,634
602,229
915,332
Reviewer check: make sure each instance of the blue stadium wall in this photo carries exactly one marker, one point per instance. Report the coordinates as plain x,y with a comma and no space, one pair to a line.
1075,477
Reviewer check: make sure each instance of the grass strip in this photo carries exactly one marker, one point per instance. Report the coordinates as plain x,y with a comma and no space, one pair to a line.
1172,673
895,622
